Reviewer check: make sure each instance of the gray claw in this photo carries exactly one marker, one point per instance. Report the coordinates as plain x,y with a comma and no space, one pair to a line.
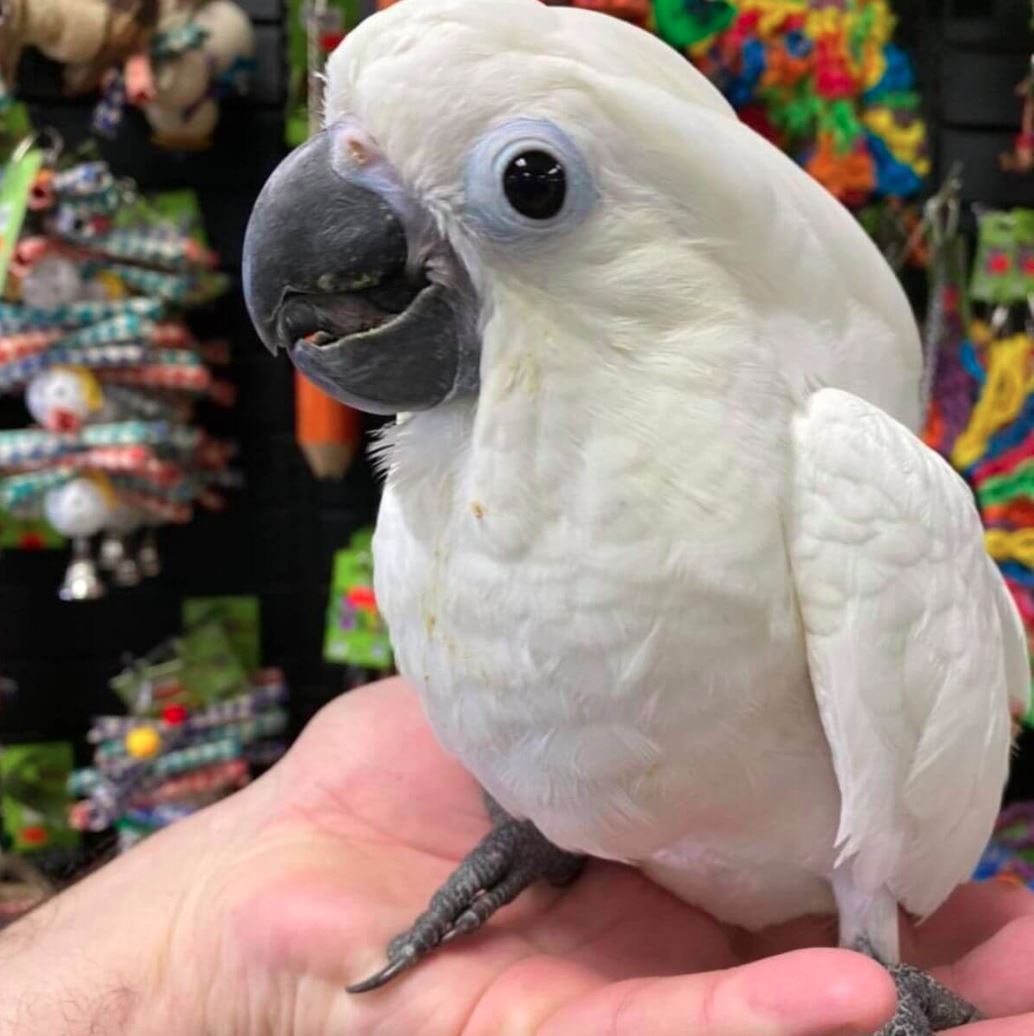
385,975
504,863
463,925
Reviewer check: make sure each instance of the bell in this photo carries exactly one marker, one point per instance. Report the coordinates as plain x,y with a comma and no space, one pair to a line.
127,572
112,552
147,556
81,581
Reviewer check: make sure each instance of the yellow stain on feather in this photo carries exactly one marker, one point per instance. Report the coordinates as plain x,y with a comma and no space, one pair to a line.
523,373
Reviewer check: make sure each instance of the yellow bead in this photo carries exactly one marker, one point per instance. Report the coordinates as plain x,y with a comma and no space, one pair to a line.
143,742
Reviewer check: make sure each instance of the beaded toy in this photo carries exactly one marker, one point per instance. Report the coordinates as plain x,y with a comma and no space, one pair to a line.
197,729
93,335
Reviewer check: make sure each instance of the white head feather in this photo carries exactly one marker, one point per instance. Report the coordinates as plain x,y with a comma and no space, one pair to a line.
708,246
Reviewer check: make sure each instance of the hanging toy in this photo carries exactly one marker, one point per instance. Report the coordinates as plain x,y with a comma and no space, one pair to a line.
53,280
81,507
110,376
821,80
143,742
148,558
87,36
81,582
196,60
994,271
62,399
115,555
201,722
947,388
982,412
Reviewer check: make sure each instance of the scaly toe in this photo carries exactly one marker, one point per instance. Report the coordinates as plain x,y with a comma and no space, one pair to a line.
505,862
924,1005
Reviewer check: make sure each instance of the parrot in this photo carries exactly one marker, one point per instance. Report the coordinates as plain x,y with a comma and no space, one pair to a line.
658,547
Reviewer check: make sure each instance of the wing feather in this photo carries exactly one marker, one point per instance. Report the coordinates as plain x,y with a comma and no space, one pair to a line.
914,646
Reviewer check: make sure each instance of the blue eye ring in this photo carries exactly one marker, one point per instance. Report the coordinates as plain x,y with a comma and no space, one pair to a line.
487,205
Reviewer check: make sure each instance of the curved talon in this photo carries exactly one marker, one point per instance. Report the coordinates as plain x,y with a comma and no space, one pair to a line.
385,975
467,922
506,861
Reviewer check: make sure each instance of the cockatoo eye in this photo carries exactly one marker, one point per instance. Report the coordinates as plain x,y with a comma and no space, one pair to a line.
525,178
535,184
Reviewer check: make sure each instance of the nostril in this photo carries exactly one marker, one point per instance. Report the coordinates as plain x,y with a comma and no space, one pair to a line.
358,149
353,147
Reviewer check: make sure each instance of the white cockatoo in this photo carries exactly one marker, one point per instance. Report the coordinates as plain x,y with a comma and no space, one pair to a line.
658,546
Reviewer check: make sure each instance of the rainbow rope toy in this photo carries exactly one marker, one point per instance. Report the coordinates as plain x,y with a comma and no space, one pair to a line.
821,79
981,415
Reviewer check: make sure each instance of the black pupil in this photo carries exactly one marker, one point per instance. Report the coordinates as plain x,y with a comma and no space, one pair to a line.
535,185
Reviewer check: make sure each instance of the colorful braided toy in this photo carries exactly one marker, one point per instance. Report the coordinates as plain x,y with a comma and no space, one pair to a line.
981,415
92,333
823,81
175,754
1010,856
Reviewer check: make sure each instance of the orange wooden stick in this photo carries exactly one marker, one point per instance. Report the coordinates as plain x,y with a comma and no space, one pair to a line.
327,431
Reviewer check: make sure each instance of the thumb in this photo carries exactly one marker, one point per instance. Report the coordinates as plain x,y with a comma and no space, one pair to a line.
807,993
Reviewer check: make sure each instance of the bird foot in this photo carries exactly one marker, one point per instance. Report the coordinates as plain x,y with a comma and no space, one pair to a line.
505,862
924,1005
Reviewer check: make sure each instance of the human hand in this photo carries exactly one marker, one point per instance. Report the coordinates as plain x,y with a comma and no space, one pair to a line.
252,917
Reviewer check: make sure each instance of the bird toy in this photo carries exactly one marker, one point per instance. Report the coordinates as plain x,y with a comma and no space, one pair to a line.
198,727
92,334
822,81
200,54
981,414
150,770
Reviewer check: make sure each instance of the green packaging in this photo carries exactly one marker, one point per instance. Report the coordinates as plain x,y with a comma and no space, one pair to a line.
18,177
355,632
240,617
33,798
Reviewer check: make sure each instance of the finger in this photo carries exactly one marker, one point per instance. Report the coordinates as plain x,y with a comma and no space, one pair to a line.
996,975
807,993
1017,1026
969,918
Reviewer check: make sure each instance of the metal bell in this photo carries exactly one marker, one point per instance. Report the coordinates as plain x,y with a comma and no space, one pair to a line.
147,556
127,572
81,582
112,552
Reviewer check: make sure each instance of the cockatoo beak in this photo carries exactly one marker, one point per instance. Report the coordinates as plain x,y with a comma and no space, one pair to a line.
333,276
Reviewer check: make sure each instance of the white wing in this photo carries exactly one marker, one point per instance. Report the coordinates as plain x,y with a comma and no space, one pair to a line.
914,646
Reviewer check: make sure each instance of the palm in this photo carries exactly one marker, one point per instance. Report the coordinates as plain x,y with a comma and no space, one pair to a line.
343,843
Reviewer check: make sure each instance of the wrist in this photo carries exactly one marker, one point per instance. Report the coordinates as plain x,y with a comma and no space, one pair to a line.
96,959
